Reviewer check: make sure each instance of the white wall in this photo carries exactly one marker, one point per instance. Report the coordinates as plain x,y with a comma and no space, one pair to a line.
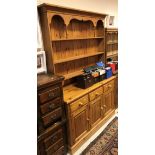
102,6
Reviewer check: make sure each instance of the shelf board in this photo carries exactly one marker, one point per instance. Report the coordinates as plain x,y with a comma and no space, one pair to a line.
66,39
112,55
73,74
77,57
112,42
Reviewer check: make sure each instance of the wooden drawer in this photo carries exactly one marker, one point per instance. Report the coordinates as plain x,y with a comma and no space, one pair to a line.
48,107
79,103
61,151
54,147
95,93
53,138
108,86
52,116
49,94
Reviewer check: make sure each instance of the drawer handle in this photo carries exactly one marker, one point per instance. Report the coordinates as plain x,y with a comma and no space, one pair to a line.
51,106
51,94
101,108
88,119
80,104
53,117
104,106
54,138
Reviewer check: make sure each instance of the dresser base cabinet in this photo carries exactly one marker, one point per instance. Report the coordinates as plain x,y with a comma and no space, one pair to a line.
88,110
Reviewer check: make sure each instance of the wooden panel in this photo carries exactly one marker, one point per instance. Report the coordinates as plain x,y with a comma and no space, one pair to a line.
95,93
95,111
53,138
48,107
60,151
79,123
49,94
79,103
108,103
108,86
52,116
54,147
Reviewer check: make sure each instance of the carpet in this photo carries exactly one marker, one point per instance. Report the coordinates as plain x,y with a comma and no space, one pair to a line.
106,143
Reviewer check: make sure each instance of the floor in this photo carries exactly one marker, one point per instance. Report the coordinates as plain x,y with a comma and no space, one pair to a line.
95,135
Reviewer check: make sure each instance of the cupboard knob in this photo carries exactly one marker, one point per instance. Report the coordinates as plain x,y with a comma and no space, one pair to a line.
80,104
110,86
97,94
104,106
51,106
101,108
88,119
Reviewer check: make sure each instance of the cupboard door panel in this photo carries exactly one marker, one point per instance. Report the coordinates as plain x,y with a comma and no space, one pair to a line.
95,111
108,103
79,123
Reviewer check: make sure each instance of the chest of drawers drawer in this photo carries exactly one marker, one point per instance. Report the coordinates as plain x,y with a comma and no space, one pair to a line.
95,93
55,147
53,138
79,103
52,116
51,105
49,94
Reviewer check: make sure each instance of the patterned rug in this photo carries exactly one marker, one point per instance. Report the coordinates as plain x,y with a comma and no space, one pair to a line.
106,143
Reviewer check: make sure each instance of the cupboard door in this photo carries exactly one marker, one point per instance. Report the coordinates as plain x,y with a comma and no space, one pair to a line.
108,102
79,123
95,111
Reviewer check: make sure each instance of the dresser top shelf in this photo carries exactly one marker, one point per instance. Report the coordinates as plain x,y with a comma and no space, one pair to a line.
72,92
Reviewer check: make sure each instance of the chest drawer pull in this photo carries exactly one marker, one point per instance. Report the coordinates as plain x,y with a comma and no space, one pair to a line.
109,86
51,106
51,95
53,117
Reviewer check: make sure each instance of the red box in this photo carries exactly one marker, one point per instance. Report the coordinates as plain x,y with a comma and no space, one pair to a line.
113,66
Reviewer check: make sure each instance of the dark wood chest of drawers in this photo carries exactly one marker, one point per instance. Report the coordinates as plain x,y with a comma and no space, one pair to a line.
51,120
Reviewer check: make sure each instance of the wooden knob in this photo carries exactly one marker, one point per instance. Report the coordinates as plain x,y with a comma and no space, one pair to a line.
97,94
80,104
101,108
88,119
110,86
104,106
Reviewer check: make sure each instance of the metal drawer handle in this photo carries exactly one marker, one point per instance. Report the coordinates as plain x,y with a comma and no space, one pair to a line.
54,116
51,94
51,106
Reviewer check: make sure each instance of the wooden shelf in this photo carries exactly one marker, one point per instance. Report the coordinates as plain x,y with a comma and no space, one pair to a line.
73,74
112,55
112,42
72,39
77,57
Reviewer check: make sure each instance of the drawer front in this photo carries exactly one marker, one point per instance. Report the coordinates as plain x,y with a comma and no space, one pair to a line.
52,116
54,147
108,86
61,151
79,103
48,107
53,138
49,94
95,93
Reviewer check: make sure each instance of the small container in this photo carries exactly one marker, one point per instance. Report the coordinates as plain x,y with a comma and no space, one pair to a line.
102,74
85,80
108,72
96,76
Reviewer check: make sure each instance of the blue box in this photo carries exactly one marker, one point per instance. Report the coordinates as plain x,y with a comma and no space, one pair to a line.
108,72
